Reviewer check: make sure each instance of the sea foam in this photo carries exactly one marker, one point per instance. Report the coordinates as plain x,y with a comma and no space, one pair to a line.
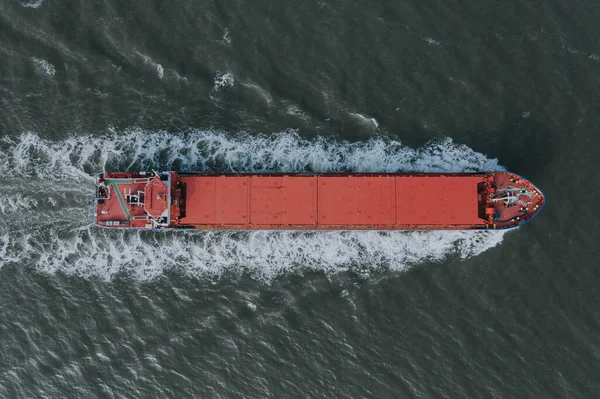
362,118
33,4
223,80
60,237
43,65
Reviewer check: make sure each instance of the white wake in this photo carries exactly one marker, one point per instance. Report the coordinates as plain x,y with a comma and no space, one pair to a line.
45,186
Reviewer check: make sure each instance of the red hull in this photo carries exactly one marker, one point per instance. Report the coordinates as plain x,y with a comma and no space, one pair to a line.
375,201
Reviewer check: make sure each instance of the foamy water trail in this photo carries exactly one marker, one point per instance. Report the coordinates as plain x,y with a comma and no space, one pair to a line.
45,186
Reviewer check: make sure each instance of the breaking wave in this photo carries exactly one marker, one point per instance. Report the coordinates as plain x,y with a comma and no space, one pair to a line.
45,186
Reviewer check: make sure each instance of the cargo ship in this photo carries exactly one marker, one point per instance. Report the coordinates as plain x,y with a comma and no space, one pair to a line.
325,201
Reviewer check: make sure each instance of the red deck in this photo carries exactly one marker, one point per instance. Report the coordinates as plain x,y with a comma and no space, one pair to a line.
338,201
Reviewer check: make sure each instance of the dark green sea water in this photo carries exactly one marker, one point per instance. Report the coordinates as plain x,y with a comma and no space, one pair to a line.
297,85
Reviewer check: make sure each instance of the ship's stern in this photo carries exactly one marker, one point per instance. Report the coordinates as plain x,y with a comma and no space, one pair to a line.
133,200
